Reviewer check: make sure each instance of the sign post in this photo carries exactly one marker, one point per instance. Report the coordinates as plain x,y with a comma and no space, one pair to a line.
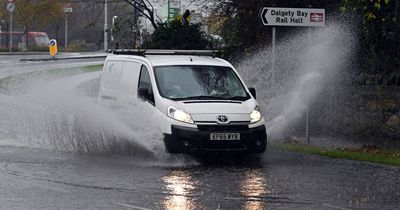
66,11
301,17
11,8
273,55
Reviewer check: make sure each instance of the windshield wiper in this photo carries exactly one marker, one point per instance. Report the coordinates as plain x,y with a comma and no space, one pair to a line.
238,98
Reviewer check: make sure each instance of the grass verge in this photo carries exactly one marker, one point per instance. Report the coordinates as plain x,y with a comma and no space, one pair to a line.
382,157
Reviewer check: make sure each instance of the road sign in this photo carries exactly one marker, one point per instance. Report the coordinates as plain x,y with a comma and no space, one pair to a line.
175,4
303,17
174,9
310,17
53,48
68,9
10,7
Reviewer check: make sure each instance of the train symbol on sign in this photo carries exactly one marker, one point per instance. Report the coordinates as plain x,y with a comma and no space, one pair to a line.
316,17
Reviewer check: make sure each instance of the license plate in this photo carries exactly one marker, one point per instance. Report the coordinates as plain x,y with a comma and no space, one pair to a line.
225,136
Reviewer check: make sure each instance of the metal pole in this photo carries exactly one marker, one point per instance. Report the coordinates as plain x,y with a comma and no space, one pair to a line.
168,3
308,107
105,25
11,31
273,56
66,32
308,125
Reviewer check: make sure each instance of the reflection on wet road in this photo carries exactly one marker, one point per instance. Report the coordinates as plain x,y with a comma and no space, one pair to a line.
253,188
41,179
183,191
179,187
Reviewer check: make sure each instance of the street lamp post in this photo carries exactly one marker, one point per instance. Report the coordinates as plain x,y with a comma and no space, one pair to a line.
105,25
67,9
11,8
11,31
66,32
114,20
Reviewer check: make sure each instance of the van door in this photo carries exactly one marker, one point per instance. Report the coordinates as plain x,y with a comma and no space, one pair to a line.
145,90
129,82
147,101
109,90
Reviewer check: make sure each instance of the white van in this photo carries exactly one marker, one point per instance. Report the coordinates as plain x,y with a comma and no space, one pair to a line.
199,102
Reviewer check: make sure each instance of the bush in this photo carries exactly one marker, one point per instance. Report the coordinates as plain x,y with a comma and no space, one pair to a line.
38,49
81,46
178,36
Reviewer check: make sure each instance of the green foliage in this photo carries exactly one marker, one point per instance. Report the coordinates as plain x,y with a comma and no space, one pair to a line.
175,35
32,12
380,32
81,46
38,49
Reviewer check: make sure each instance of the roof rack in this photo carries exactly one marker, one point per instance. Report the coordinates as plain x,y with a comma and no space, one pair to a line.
142,52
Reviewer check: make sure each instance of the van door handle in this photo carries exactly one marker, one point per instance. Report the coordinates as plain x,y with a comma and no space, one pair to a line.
109,97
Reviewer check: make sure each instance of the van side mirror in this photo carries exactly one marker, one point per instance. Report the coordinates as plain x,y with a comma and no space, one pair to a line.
144,93
253,92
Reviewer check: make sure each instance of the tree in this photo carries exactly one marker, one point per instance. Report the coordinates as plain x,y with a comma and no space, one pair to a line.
380,31
175,35
145,9
126,31
37,14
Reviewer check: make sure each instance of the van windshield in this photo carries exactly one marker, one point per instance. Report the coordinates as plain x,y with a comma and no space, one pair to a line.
199,83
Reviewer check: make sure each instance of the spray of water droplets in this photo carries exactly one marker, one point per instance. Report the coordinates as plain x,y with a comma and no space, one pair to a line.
309,66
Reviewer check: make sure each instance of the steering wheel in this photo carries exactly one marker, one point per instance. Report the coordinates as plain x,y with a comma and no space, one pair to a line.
175,91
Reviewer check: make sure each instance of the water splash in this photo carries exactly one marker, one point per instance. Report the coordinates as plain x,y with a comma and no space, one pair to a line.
309,66
56,115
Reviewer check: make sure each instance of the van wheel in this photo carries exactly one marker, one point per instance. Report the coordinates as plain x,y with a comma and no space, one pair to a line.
171,144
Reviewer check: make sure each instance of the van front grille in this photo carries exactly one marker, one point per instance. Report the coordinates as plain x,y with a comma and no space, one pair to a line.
222,128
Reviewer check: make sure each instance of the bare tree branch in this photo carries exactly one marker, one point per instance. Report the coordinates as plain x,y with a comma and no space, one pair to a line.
145,8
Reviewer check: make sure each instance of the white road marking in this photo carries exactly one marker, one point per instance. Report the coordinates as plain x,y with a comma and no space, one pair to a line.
131,206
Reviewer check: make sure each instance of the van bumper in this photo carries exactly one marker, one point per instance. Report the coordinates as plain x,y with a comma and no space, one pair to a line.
197,140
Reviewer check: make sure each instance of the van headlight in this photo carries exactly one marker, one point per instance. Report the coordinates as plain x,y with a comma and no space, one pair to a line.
255,115
179,115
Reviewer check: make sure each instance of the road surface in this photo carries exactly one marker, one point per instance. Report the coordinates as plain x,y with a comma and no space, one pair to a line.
40,177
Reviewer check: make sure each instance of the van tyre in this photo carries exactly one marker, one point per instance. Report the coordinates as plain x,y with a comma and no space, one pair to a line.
172,144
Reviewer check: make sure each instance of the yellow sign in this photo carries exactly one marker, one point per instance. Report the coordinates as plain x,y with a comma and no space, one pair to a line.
53,48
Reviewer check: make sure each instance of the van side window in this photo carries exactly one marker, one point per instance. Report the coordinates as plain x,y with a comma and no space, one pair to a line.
145,91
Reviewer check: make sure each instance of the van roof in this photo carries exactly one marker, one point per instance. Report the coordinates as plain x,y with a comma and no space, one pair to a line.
170,60
161,60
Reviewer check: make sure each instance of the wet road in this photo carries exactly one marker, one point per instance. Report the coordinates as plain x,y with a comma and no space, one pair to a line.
40,179
48,179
